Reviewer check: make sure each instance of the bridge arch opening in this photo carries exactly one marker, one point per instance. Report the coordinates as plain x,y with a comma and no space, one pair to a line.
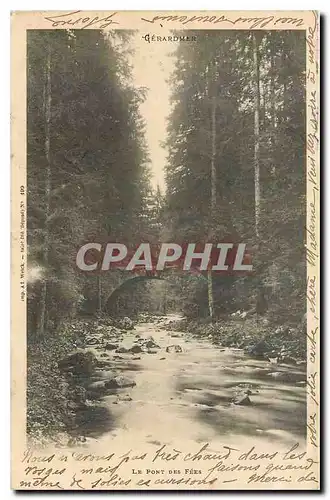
156,294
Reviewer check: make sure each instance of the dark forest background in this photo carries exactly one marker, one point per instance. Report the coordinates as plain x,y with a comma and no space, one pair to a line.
235,169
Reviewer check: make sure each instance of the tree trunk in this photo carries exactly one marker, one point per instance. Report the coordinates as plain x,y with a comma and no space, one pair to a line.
213,203
99,294
210,293
213,168
165,298
263,104
272,106
261,305
42,323
256,134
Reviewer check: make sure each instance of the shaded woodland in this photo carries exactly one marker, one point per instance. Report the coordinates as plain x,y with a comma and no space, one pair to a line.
235,172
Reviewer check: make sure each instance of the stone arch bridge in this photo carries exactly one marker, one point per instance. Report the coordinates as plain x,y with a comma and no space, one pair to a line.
127,284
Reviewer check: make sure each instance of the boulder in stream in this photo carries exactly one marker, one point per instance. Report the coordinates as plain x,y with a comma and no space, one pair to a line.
135,349
151,344
122,350
97,388
111,347
243,400
124,397
119,382
93,340
79,362
174,348
259,350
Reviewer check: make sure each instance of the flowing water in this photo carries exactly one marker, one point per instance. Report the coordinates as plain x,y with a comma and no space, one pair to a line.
190,396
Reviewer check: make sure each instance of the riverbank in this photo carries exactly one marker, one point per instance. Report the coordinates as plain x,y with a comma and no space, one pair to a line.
255,335
56,392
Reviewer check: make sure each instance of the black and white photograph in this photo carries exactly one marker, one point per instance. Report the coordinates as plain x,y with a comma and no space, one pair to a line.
168,252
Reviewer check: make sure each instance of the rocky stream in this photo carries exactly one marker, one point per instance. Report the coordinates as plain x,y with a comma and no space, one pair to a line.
151,384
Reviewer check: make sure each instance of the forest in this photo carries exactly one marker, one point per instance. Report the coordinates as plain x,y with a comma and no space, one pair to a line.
235,172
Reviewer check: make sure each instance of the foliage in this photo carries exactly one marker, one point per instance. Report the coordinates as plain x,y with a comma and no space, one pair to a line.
98,163
50,395
219,69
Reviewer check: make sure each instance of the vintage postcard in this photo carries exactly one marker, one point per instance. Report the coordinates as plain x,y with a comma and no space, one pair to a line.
165,250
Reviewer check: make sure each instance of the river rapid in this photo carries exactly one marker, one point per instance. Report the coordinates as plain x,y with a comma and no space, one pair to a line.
193,396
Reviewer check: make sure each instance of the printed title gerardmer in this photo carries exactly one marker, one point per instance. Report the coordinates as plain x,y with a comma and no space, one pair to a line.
221,257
